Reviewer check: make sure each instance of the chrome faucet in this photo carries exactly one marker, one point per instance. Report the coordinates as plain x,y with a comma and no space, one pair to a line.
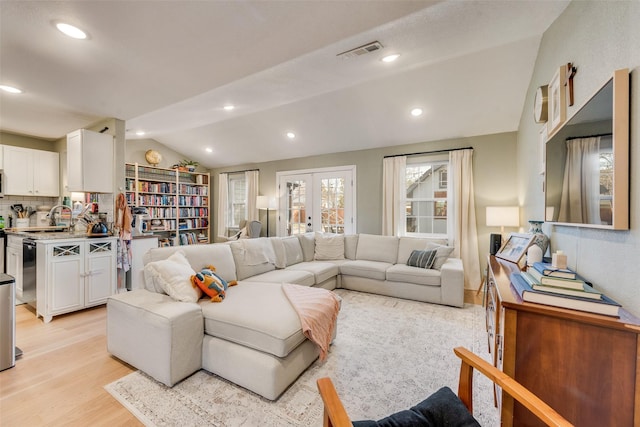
52,215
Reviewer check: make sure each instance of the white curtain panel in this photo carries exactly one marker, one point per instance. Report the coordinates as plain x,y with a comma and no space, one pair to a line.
223,202
580,200
462,224
252,183
393,196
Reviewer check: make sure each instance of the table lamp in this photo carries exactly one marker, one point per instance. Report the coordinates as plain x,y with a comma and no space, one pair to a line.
501,216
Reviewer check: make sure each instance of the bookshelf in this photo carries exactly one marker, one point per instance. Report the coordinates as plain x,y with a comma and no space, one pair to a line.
177,202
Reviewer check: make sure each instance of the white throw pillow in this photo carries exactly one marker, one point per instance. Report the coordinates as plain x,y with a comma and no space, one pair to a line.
329,246
442,254
173,276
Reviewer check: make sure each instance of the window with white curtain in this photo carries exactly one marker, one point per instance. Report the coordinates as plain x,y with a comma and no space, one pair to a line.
426,201
237,199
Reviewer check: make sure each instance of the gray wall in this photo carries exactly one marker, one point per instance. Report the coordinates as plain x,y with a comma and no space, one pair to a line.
494,177
598,37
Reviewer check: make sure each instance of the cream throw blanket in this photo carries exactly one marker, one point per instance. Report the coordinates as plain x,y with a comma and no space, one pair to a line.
318,311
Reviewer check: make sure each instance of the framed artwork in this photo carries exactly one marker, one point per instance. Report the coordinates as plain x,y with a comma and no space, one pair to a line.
515,246
542,149
557,101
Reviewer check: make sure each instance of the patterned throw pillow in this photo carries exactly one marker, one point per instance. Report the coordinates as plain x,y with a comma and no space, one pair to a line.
422,259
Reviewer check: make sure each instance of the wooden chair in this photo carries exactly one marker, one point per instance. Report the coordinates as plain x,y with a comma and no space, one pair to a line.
336,416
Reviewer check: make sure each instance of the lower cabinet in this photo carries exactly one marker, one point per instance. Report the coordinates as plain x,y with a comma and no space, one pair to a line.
73,275
14,261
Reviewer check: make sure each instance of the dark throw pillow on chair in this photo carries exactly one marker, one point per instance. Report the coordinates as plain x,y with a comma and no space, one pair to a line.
442,408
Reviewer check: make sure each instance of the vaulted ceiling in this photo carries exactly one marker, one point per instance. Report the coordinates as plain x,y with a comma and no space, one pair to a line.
169,67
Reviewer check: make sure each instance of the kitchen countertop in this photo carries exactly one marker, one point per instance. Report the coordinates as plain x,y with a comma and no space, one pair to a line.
49,233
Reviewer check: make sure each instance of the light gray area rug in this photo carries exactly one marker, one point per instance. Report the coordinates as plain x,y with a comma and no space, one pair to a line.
389,354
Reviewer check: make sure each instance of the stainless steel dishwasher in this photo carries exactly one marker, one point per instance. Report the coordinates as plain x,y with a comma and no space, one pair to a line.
29,272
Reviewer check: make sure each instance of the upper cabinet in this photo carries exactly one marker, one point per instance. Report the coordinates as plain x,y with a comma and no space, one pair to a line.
30,172
90,162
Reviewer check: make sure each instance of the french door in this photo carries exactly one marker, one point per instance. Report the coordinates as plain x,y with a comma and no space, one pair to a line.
316,200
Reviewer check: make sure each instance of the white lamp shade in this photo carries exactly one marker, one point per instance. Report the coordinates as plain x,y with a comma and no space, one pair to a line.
503,216
266,202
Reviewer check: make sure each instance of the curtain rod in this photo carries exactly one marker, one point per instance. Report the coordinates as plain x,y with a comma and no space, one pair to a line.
429,152
590,136
242,171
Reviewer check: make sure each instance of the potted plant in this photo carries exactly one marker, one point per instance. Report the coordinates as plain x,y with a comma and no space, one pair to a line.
190,165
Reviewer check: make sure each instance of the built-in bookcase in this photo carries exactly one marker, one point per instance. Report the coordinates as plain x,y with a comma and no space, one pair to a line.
177,202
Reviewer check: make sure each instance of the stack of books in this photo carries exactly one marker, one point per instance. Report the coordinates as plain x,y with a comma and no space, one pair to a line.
544,284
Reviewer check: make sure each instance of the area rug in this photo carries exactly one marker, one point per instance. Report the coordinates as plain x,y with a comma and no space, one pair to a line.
389,354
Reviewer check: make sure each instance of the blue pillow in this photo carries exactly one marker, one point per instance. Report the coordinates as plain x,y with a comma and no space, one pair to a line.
422,259
442,408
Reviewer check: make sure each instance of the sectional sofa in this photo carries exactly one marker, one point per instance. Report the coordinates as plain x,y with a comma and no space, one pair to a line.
253,338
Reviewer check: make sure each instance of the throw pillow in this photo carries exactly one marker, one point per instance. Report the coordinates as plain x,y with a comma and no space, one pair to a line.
173,276
422,259
329,247
442,408
442,254
211,284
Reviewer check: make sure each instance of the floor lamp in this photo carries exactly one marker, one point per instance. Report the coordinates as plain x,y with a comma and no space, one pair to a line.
266,203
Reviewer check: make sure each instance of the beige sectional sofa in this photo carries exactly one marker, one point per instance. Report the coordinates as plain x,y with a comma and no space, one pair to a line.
254,338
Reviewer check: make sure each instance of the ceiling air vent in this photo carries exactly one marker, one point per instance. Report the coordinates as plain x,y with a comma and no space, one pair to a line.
367,48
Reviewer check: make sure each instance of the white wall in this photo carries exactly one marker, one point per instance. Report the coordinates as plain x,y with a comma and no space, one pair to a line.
598,37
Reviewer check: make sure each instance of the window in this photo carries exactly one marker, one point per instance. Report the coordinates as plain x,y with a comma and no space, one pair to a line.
237,199
426,198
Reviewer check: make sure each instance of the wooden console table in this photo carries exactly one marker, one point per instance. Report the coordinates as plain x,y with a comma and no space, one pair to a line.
585,366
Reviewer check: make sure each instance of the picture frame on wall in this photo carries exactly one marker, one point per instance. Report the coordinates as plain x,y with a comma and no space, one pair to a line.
515,246
542,149
557,101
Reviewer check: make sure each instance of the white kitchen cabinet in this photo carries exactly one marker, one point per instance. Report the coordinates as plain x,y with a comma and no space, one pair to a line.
30,172
74,274
14,261
90,161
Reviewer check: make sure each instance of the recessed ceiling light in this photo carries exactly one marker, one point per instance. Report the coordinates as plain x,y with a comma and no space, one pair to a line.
229,107
140,133
208,150
416,112
291,135
391,58
71,31
10,89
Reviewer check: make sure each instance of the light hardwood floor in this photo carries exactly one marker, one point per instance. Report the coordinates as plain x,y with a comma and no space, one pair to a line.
60,379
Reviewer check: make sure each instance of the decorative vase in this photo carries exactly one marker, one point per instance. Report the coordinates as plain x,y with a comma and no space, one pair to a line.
541,239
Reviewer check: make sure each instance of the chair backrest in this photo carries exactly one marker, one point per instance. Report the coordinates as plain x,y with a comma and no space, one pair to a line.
336,416
253,229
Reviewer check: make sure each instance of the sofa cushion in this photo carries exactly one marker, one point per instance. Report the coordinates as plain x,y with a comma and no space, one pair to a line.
422,259
307,242
350,246
200,256
292,250
328,247
361,268
173,277
320,270
252,257
242,318
377,248
278,249
284,276
419,276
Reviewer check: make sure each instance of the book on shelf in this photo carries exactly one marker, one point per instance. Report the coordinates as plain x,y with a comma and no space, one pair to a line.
586,292
546,269
576,284
605,306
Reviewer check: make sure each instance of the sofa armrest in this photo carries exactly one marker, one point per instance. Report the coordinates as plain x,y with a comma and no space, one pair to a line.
452,282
